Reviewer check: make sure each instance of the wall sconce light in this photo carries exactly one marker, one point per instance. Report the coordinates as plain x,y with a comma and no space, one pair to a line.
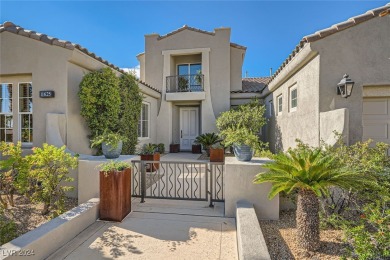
345,86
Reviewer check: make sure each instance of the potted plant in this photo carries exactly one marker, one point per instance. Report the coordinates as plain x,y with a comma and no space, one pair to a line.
196,148
111,143
217,153
161,148
240,127
183,84
207,140
174,147
115,190
149,153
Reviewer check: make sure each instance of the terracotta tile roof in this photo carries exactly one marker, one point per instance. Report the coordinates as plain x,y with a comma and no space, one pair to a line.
331,30
11,27
186,27
252,85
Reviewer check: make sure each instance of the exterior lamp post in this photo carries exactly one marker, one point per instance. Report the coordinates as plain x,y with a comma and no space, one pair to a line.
345,86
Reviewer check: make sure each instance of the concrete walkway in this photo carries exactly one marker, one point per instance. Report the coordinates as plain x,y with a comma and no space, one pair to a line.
158,229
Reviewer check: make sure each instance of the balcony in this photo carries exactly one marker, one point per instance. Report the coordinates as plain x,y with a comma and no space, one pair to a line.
185,88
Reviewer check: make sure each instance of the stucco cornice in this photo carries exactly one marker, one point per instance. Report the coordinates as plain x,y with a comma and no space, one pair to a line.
321,34
15,29
295,64
185,51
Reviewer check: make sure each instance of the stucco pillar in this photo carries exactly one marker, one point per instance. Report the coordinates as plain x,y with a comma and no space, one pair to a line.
207,111
164,118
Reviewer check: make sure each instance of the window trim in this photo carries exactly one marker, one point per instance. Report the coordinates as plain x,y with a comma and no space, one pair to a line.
10,114
24,144
145,137
279,104
291,89
271,108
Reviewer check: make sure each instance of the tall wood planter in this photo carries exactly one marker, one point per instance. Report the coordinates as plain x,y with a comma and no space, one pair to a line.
151,167
115,195
217,155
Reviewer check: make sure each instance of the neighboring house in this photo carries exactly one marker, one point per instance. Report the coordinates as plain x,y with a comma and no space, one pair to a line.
195,71
301,97
32,62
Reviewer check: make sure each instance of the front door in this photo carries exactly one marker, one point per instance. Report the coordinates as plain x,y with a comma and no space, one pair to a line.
189,126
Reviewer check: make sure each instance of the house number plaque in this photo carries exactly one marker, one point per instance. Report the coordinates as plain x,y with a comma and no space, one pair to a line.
46,94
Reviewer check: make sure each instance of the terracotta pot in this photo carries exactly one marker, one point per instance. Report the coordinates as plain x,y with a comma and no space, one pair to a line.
115,195
174,148
151,167
196,148
217,155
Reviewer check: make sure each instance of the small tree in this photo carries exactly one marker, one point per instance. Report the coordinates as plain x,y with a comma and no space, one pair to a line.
100,101
13,172
130,112
311,172
51,171
242,125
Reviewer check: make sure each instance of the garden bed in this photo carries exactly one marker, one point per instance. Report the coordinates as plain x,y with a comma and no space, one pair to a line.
280,237
27,215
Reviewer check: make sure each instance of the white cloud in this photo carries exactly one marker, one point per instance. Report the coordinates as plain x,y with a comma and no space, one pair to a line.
135,71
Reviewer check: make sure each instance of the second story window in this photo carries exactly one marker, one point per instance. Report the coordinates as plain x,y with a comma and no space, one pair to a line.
190,77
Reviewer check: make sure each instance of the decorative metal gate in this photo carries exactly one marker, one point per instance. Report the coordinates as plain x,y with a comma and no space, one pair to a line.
178,180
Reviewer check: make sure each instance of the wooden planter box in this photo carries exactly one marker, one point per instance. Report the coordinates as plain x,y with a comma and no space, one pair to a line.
196,148
115,195
174,148
217,155
151,167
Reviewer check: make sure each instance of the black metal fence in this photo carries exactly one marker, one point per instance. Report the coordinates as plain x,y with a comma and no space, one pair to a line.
178,180
185,83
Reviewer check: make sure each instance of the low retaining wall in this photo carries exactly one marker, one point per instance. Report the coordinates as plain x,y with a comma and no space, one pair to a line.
47,238
88,175
250,239
239,185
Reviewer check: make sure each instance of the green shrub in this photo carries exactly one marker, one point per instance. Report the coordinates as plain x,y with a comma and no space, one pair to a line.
112,165
130,111
100,101
369,238
242,125
7,230
161,148
13,172
110,138
51,173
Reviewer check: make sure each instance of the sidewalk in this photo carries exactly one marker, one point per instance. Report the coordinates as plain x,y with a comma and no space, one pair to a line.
158,229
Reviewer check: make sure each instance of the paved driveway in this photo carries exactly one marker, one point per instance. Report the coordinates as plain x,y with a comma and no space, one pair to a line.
158,229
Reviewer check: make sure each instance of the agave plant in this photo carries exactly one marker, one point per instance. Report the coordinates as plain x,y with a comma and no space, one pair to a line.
207,140
311,172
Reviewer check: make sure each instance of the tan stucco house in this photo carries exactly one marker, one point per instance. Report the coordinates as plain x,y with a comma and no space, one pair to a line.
301,96
32,62
195,71
189,76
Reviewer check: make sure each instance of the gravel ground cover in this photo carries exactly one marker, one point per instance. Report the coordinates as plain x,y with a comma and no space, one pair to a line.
27,215
280,237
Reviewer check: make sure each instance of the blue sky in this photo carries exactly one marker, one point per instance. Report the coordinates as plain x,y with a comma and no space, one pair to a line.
115,30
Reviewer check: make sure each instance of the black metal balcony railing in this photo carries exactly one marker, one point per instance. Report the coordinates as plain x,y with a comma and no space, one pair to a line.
185,83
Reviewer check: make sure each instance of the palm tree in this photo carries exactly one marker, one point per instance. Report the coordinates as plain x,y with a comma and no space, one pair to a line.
310,171
207,140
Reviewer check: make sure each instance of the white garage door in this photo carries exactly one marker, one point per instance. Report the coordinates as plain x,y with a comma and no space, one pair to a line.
376,119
